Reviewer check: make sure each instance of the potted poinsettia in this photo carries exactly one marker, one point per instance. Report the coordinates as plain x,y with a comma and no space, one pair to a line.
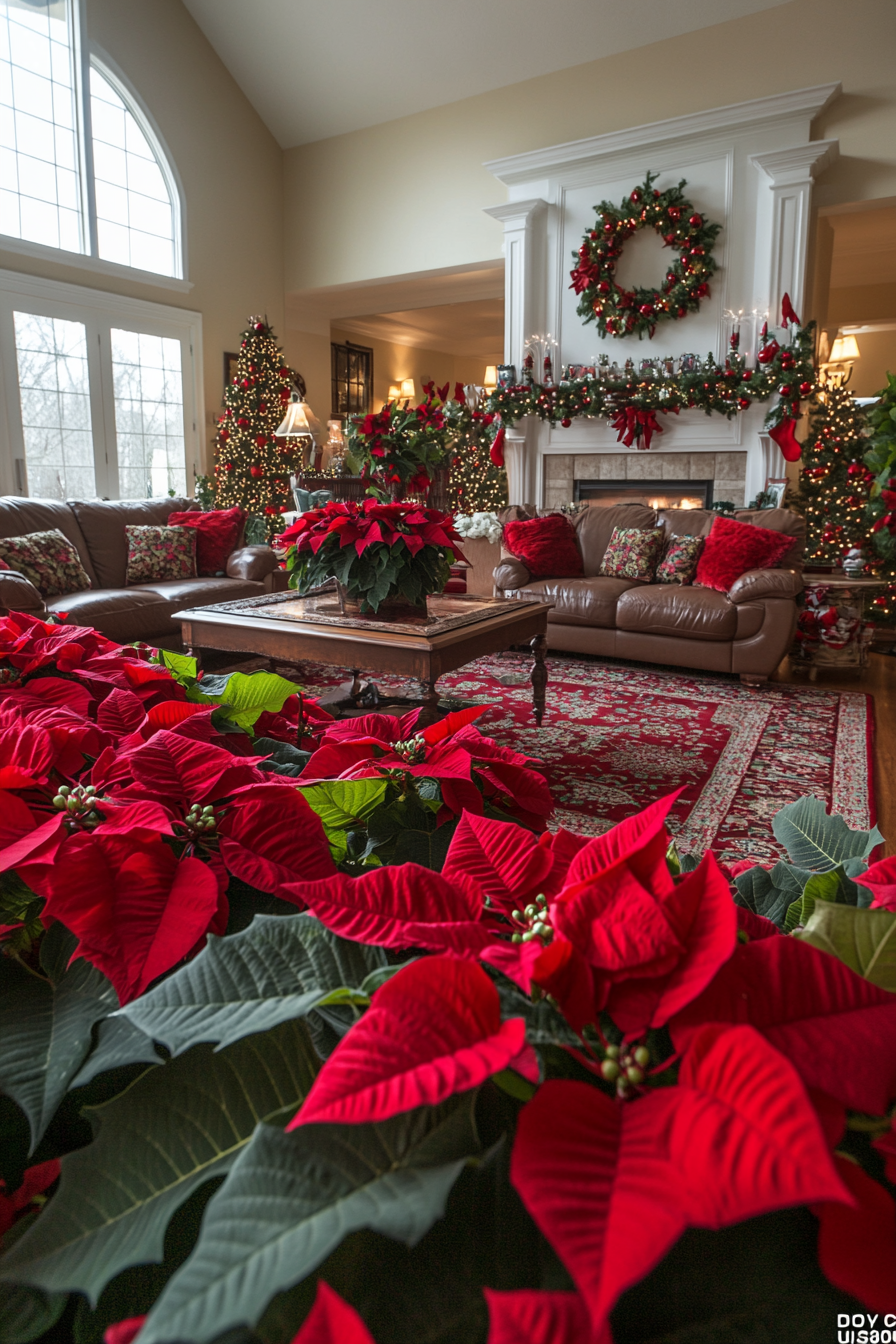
386,558
401,446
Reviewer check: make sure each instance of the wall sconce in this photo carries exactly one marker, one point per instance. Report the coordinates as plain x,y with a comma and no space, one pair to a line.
837,370
491,377
408,391
394,392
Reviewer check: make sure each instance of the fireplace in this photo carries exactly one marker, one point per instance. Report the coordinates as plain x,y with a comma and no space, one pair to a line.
655,494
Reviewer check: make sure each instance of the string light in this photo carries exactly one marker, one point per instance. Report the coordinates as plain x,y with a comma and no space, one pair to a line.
253,466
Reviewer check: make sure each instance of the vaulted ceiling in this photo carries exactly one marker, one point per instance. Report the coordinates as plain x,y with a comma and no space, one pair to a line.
316,68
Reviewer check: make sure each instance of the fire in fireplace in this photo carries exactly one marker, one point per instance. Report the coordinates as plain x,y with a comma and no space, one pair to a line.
655,494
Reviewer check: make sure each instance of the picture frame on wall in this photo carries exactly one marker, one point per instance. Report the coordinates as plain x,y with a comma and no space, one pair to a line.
774,491
230,362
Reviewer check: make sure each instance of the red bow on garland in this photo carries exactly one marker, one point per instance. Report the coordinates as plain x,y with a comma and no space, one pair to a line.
632,426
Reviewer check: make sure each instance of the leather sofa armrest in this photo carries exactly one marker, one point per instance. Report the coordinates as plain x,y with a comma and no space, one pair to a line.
511,574
251,562
757,584
18,593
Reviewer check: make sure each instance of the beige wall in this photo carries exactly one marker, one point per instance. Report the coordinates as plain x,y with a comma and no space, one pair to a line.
230,167
408,195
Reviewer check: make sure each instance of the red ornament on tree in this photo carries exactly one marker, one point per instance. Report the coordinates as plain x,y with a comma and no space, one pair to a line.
256,471
696,221
805,389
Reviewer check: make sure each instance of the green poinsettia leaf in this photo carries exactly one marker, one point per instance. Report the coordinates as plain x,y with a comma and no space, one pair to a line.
292,1198
283,758
864,940
344,804
26,1313
817,841
46,1025
278,968
249,694
172,1130
118,1043
833,886
181,667
757,892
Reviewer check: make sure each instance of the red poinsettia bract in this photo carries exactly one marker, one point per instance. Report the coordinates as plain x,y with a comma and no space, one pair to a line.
332,1321
432,1030
613,1184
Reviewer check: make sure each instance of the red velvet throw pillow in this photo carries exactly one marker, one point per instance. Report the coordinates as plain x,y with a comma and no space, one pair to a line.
217,535
732,548
546,546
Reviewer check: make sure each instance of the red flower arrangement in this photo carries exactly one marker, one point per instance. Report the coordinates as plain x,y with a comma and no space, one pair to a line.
400,446
376,551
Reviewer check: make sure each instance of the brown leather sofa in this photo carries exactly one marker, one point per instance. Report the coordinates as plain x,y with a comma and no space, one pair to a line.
746,630
124,613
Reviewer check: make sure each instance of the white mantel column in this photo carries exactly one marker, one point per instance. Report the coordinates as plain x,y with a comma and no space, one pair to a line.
524,278
791,173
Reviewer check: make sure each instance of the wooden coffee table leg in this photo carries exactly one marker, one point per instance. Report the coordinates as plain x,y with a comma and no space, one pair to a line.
430,711
539,676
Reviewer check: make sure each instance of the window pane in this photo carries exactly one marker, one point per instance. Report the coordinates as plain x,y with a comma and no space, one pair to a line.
135,220
37,92
55,397
149,414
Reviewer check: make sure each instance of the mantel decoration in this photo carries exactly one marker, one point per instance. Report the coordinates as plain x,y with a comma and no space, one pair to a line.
631,399
632,312
385,558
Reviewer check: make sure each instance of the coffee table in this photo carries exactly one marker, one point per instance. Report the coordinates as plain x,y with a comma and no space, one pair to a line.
458,628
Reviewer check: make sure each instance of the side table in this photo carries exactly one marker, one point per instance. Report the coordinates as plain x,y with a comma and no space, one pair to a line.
833,630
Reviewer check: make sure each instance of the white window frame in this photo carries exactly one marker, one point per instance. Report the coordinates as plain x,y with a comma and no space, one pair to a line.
99,311
85,54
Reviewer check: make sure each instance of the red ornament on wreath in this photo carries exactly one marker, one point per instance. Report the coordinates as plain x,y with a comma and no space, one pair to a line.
619,312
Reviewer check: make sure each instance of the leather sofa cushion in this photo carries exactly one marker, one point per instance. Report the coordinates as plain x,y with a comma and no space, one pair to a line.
251,562
511,573
667,609
122,614
145,611
757,584
594,528
102,522
579,601
183,593
18,593
20,516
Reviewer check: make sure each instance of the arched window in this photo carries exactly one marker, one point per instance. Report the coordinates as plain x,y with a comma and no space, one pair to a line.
80,167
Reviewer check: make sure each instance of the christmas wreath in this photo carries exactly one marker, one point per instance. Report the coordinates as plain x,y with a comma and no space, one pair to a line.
626,312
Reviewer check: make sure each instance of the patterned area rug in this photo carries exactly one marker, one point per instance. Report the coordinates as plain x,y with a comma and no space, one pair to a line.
618,735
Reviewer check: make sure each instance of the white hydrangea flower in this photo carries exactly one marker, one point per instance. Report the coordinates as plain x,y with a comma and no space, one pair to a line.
476,525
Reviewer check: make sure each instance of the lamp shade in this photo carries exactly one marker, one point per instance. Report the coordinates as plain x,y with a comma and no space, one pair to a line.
407,389
298,420
491,375
394,392
844,348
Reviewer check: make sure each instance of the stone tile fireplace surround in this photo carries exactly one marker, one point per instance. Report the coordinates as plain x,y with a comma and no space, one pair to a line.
727,471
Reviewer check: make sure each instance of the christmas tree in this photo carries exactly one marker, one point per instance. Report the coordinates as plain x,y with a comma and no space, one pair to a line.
475,484
880,515
834,482
252,466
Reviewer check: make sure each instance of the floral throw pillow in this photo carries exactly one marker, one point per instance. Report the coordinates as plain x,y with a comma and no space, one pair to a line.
633,553
159,553
679,564
48,559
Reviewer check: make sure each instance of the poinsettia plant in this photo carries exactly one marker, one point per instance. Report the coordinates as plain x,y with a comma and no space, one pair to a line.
400,446
535,1087
376,551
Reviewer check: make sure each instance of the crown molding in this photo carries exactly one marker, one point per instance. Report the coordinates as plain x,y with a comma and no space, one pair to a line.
799,164
797,104
516,212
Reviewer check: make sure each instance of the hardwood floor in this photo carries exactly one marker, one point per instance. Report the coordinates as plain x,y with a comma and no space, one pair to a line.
878,680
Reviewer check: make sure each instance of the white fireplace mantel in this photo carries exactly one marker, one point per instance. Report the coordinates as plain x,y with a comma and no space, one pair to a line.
751,166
